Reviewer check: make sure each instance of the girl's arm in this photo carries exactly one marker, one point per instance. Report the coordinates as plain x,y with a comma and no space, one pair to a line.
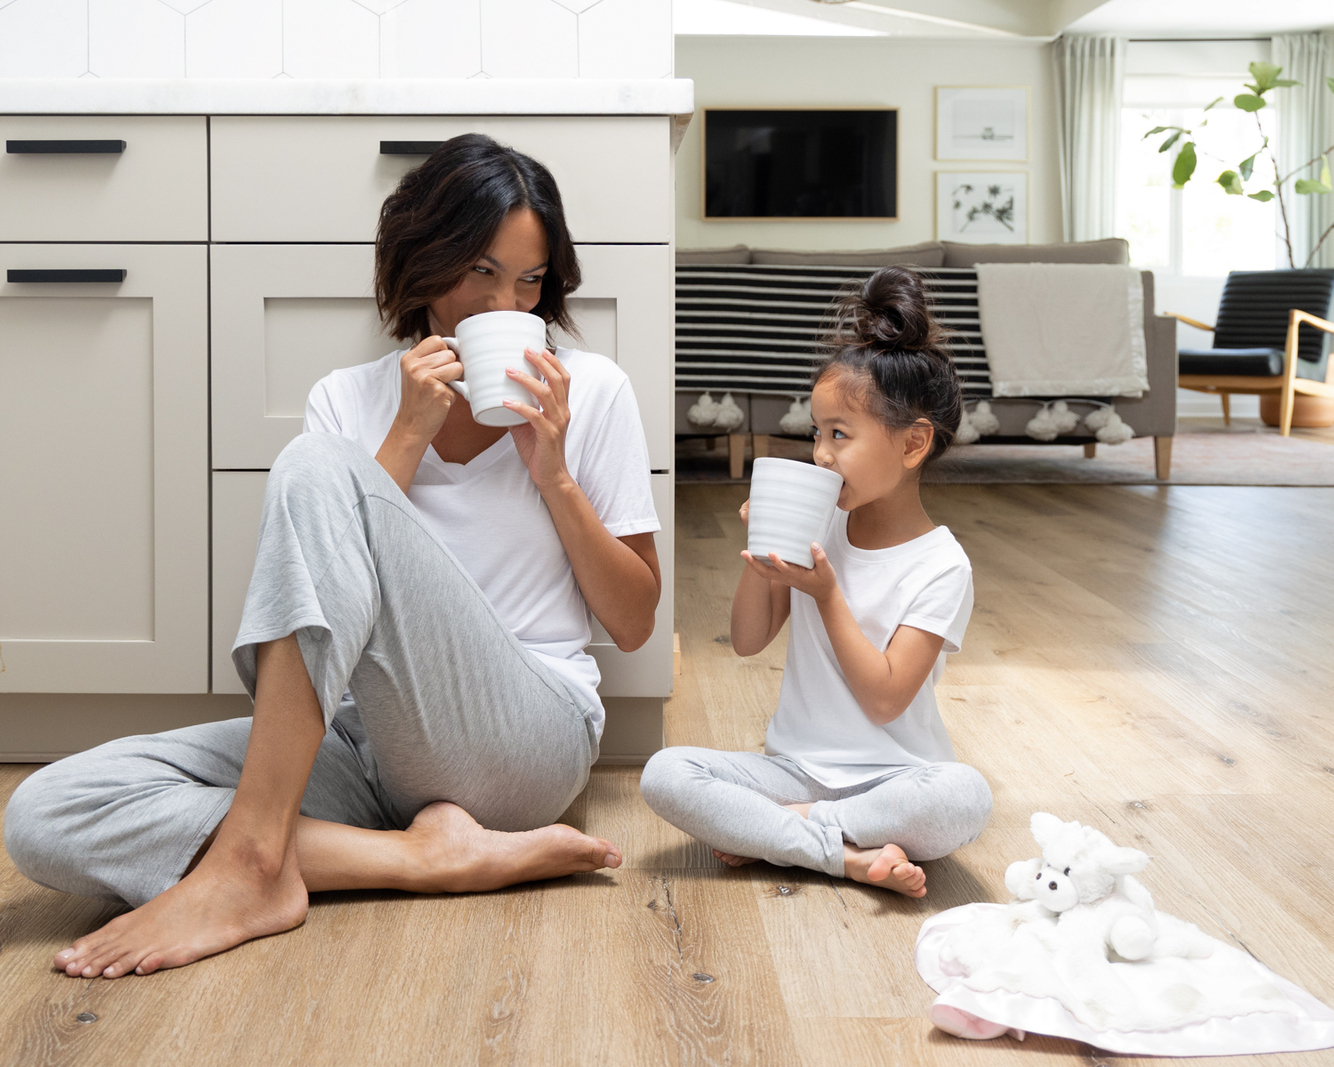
618,577
760,605
884,683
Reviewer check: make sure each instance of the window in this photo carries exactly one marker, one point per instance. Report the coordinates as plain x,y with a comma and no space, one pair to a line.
1198,231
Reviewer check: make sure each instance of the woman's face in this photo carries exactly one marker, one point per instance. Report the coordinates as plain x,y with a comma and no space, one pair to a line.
507,277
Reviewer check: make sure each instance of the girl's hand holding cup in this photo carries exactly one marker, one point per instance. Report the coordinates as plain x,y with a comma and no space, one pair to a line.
817,582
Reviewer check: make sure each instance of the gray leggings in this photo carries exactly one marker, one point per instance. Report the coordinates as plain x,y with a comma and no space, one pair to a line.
733,801
446,704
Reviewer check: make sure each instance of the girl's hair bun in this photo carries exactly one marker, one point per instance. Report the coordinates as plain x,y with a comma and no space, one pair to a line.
889,312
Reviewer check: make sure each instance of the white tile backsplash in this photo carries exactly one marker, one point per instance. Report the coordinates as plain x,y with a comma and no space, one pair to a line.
44,39
248,39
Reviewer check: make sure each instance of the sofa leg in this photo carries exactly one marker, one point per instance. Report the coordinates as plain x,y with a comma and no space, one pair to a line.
1090,449
759,446
1226,398
736,454
1162,458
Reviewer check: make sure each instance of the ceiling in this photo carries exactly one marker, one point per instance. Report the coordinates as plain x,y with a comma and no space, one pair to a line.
1001,18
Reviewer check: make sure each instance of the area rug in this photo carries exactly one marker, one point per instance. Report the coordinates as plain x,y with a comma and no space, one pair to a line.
1199,458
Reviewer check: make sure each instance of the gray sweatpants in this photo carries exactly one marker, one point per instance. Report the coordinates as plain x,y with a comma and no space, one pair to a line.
445,702
733,801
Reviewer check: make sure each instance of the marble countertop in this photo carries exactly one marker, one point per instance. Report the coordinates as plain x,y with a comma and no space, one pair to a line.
289,96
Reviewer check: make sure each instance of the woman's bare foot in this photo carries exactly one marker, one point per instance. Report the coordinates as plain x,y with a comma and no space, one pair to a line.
227,899
886,867
733,861
453,853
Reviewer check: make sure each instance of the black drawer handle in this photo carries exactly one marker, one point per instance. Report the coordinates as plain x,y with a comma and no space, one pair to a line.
409,148
66,275
64,148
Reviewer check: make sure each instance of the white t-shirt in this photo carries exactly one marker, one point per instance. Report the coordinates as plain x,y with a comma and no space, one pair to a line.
927,583
489,512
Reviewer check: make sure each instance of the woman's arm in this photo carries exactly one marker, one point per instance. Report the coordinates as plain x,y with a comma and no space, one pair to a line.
619,577
884,683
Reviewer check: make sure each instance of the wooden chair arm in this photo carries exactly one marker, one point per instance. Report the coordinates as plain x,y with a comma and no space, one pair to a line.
1188,321
1295,318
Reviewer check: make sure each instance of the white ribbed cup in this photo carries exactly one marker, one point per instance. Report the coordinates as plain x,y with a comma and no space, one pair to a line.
791,505
487,345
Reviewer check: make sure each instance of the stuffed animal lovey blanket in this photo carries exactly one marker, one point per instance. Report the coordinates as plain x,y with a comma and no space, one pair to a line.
1081,952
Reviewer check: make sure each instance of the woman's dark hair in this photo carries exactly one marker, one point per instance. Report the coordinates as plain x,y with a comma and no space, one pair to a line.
891,354
443,217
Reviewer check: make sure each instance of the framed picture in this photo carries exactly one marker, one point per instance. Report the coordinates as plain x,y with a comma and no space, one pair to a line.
975,123
987,208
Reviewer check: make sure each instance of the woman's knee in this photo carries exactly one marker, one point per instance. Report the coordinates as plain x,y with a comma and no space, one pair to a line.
31,818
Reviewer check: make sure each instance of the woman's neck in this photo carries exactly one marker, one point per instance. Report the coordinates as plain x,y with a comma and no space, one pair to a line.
894,519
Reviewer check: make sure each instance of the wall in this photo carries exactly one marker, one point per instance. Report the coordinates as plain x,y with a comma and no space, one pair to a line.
336,38
844,71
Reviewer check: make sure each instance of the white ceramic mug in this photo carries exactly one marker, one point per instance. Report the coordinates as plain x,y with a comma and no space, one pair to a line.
791,505
488,345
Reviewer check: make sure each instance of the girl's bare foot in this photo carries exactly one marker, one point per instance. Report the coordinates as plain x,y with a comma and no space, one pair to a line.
886,867
224,901
453,853
733,861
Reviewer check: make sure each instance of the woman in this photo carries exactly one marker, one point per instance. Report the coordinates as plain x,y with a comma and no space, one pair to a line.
413,634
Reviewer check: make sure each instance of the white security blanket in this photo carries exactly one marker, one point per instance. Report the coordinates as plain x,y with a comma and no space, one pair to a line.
1063,329
1012,965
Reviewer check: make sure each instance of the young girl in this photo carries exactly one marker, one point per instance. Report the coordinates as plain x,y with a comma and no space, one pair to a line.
858,778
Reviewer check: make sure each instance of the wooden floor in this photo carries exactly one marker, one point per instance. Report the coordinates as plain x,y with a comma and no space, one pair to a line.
1155,661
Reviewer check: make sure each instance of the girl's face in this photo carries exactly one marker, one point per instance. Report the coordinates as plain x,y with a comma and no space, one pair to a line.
507,277
874,460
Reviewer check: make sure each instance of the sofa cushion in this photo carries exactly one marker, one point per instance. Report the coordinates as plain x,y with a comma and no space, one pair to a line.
926,254
1113,250
1252,362
704,257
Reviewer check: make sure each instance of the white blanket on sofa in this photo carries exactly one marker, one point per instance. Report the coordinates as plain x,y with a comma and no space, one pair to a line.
1063,329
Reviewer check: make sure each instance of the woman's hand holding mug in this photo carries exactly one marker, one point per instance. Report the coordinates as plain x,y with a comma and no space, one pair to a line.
427,369
540,441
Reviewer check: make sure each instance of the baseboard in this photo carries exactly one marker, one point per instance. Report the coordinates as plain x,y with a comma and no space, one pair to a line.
633,731
41,727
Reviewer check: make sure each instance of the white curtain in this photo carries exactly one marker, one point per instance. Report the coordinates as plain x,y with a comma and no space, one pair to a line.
1089,74
1306,128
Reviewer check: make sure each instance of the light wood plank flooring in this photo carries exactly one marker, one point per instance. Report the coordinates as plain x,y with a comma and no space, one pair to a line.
1152,660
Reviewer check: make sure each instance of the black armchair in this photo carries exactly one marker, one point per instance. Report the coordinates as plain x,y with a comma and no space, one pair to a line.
1257,345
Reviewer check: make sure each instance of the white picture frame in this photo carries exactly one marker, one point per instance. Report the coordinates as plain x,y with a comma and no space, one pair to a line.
982,207
980,123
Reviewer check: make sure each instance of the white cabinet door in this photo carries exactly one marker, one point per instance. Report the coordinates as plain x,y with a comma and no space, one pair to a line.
323,177
623,309
238,499
104,469
284,316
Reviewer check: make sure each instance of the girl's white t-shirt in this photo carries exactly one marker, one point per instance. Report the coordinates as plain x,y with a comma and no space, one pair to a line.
490,514
927,583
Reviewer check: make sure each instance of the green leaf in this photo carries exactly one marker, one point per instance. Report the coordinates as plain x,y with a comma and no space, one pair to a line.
1231,183
1246,166
1184,166
1215,103
1264,196
1306,186
1170,142
1283,83
1324,173
1265,75
1330,82
1156,130
1247,102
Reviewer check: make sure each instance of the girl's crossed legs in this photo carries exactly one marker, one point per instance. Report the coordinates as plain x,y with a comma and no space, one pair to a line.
745,804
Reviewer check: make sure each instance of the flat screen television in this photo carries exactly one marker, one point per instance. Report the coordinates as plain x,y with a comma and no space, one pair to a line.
802,164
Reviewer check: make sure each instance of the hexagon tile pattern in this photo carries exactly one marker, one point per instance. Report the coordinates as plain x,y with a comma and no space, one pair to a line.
336,38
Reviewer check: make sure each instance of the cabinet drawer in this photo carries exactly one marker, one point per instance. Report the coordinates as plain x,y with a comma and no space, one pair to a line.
238,500
104,470
322,178
56,185
284,316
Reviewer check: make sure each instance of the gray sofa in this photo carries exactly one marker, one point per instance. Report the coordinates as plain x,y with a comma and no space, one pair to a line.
1152,415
